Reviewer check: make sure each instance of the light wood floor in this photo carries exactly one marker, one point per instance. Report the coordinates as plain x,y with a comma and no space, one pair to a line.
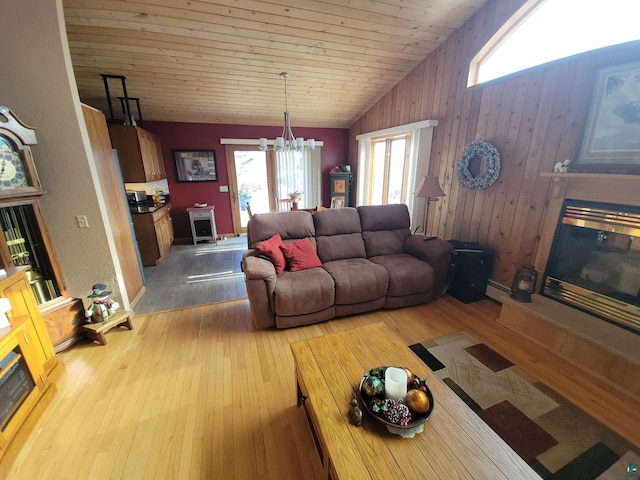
196,393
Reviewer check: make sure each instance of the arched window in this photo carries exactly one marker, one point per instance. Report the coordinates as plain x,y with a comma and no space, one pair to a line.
546,30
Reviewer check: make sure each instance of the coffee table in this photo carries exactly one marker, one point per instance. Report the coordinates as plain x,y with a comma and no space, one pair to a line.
455,442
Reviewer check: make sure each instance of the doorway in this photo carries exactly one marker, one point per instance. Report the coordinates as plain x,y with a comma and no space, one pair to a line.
251,183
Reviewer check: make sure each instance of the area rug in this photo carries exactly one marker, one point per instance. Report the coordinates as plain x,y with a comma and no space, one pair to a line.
557,439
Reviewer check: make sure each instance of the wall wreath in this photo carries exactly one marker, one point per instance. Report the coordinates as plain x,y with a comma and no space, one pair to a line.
490,170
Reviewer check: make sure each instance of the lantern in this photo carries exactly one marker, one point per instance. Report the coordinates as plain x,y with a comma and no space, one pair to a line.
524,283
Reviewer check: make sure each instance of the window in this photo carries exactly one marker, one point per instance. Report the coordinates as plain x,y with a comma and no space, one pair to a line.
390,161
546,30
299,171
389,166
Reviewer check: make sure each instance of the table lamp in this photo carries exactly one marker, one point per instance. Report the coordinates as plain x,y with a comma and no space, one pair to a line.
429,189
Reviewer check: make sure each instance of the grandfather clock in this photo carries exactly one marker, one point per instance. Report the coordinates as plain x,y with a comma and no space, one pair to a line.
24,240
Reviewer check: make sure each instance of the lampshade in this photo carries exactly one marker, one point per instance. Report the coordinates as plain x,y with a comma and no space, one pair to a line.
429,187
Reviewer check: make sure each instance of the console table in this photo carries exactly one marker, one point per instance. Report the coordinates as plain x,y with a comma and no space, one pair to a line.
203,224
455,442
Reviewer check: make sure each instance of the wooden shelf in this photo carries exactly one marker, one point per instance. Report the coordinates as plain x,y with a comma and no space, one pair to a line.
599,179
591,176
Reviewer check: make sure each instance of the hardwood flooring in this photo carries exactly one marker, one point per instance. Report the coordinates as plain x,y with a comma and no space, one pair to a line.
195,275
196,393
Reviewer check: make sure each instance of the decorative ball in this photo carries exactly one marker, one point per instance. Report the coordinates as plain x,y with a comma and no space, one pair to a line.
410,376
372,387
417,401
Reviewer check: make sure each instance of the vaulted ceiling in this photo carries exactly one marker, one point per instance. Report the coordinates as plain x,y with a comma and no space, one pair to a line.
219,61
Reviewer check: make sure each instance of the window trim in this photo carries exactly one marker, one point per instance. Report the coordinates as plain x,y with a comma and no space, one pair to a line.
499,37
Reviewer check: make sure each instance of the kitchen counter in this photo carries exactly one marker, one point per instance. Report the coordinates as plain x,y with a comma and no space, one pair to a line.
146,208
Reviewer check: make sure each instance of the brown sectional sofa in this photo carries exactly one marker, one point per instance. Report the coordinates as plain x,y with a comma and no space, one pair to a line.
370,260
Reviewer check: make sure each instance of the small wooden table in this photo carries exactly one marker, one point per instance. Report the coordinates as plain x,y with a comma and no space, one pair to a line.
199,215
455,443
96,331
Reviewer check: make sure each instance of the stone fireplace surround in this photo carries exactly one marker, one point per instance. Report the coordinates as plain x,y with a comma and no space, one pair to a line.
595,345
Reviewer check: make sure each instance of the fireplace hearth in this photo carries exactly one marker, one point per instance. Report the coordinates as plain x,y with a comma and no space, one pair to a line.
594,263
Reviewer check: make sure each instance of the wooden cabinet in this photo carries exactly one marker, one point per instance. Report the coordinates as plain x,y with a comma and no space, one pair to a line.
155,235
139,153
27,358
341,187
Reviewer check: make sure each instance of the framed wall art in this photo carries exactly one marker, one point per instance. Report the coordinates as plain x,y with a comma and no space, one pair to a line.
611,142
196,165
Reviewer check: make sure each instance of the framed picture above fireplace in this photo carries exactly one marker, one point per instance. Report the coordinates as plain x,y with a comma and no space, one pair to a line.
611,143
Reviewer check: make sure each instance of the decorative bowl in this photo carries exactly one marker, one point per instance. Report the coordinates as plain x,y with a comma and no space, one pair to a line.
199,205
414,426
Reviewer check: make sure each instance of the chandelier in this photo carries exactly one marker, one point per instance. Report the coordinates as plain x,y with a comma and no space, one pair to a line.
287,142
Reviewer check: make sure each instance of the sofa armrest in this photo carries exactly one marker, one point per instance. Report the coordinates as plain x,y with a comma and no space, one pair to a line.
256,267
260,279
435,252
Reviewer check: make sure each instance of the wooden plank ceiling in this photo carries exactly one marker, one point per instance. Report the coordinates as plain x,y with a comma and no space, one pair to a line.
219,61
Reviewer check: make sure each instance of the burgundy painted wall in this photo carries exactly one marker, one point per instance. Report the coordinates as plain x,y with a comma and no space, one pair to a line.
206,136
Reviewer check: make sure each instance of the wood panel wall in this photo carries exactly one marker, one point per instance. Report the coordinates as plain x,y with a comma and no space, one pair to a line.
534,118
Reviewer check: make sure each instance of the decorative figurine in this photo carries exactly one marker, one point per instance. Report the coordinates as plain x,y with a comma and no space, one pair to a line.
562,167
102,306
355,413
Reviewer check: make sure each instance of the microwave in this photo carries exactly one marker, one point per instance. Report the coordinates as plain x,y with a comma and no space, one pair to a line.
135,197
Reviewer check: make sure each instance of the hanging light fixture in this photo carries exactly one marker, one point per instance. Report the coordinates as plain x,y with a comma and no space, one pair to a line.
287,142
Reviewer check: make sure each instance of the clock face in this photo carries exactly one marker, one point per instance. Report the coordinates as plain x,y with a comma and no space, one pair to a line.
12,171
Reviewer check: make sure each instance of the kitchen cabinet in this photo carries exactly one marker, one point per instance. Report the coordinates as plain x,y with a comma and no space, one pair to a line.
155,234
27,358
139,153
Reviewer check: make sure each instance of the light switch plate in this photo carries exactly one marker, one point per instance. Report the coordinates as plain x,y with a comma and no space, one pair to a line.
82,221
224,188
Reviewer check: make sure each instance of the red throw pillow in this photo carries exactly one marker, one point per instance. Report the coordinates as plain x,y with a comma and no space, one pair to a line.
300,255
271,248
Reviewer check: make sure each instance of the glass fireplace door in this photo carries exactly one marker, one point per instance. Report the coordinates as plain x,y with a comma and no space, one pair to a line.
594,263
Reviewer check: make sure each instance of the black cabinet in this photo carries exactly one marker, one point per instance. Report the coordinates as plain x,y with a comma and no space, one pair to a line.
341,188
471,267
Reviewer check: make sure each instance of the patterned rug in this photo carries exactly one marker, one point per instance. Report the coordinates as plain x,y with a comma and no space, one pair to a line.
557,439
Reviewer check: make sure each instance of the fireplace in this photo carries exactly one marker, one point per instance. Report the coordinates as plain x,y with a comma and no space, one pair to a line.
594,263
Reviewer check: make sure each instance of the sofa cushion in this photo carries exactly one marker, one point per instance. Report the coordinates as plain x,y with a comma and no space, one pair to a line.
338,247
384,217
384,242
271,248
292,225
407,274
300,255
304,292
357,280
338,234
384,228
336,221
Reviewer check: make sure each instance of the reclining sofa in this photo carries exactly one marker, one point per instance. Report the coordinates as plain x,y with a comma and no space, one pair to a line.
355,260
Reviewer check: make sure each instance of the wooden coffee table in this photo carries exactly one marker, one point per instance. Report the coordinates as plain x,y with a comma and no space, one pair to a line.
455,443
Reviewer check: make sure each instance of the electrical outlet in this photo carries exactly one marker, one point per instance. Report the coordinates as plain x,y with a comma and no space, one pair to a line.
82,221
